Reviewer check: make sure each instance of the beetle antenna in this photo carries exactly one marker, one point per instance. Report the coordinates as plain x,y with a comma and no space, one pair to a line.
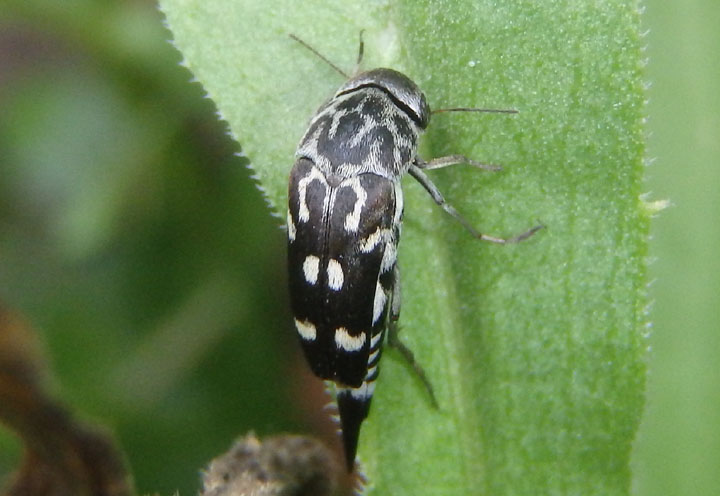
322,57
466,109
361,52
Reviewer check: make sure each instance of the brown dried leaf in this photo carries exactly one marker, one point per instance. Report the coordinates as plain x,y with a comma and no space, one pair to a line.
63,456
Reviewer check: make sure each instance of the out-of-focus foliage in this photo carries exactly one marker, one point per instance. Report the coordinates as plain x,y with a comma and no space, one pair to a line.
62,456
126,224
678,447
135,241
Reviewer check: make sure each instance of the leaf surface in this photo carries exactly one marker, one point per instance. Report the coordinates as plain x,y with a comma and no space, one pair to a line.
537,350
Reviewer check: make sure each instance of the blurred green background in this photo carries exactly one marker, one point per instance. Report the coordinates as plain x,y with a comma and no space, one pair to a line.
137,244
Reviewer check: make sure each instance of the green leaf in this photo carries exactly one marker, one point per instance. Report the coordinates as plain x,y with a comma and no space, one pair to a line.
536,350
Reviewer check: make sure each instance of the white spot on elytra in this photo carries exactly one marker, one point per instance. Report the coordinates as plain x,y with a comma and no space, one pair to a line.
311,267
368,244
364,392
379,302
314,175
344,340
373,356
399,204
371,371
375,339
306,330
352,220
292,232
335,275
389,257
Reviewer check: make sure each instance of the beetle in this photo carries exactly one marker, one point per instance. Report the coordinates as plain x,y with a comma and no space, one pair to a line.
345,212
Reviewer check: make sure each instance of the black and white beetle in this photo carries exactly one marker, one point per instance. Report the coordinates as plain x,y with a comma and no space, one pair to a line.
344,218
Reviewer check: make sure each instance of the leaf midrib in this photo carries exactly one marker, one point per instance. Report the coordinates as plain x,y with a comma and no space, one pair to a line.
459,381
